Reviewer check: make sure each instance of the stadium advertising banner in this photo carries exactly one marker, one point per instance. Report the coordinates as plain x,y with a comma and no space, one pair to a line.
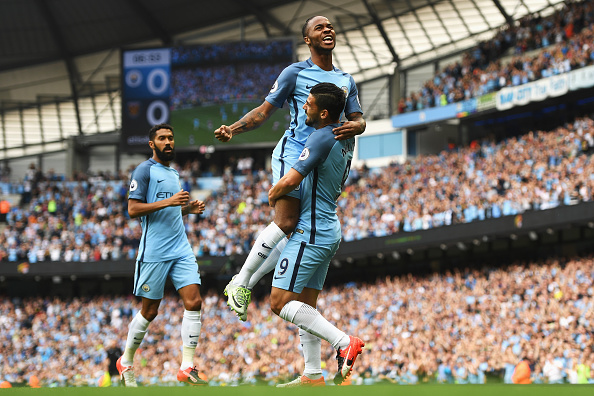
504,99
546,88
198,88
485,102
432,114
581,78
441,113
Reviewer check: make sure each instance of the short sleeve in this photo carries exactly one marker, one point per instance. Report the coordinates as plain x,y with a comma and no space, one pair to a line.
352,104
283,87
139,182
317,148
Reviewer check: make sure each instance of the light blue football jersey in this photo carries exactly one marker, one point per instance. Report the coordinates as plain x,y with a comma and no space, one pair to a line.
293,86
163,232
325,162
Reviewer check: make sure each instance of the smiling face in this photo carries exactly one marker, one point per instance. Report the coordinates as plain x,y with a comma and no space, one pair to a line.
320,34
163,145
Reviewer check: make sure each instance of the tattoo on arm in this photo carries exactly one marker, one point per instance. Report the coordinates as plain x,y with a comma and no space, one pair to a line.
251,120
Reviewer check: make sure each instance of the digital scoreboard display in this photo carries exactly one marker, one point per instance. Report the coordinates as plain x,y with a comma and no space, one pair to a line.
198,88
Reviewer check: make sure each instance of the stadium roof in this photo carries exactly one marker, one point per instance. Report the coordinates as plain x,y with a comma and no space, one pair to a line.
373,34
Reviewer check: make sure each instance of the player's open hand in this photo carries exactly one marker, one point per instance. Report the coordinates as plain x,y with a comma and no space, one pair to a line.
180,198
347,130
223,133
196,207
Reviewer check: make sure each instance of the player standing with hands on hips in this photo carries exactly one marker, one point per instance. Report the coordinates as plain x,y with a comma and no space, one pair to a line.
299,276
292,86
157,198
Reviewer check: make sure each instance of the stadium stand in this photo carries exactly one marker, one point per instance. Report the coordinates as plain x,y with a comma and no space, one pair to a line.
86,220
465,326
540,47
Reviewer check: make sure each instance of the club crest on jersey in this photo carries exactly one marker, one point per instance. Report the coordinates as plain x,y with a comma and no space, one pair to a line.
133,185
274,87
146,288
304,154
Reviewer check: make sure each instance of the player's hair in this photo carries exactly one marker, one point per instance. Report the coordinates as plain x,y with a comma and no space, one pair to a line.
153,131
305,25
329,97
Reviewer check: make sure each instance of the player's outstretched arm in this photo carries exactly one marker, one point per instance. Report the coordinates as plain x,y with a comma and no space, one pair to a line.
137,208
354,126
288,183
194,207
252,120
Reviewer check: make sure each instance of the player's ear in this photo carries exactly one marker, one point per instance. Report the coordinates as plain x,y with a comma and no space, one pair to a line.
324,114
307,40
151,144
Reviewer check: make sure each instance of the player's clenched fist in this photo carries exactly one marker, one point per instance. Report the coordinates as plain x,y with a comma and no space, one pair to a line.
223,133
180,198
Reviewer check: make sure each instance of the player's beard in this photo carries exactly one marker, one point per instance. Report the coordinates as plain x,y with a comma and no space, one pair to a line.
311,122
163,156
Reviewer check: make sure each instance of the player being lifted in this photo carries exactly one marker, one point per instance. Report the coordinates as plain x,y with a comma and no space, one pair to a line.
292,86
321,170
157,198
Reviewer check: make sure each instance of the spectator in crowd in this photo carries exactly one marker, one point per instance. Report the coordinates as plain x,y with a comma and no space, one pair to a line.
4,209
553,369
522,372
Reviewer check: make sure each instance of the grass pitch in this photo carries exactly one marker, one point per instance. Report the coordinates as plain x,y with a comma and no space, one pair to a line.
375,390
191,133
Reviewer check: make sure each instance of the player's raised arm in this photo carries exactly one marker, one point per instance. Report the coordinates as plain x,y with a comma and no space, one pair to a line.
354,126
252,120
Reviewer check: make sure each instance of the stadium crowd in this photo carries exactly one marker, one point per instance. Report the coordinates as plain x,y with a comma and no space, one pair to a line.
232,52
540,47
463,326
86,219
226,72
222,84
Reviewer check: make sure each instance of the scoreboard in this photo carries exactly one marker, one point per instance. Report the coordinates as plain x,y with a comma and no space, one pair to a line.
145,94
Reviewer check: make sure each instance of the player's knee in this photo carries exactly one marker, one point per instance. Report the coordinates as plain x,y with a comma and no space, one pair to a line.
276,308
150,313
277,303
194,304
287,223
